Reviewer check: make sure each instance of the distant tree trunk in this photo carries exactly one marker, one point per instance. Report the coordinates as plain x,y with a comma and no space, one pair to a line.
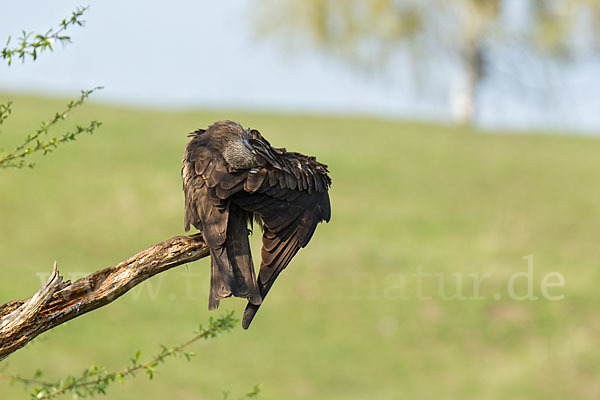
464,96
474,22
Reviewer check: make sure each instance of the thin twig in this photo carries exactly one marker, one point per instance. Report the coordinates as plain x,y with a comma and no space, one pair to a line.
16,157
101,378
41,41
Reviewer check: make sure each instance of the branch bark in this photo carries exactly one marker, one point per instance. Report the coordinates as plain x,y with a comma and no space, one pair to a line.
58,302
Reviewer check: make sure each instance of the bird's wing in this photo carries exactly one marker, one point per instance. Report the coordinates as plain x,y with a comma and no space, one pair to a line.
291,200
288,191
208,183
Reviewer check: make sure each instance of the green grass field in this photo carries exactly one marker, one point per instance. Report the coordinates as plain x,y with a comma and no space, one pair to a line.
350,318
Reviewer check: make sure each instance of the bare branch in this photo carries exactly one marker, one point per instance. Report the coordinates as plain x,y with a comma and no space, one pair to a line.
57,301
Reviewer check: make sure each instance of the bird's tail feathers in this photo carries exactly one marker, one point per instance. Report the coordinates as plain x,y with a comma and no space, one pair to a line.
219,285
232,269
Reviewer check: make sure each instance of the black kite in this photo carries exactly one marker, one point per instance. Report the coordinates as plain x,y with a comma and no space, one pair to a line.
231,176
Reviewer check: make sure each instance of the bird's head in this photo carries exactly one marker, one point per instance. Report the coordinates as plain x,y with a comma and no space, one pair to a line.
233,141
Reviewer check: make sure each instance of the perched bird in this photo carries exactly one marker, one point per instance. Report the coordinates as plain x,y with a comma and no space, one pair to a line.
232,176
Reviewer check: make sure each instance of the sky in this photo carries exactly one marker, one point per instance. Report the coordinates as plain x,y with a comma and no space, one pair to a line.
205,54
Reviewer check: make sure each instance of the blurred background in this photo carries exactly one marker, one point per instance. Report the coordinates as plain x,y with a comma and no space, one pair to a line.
461,260
502,63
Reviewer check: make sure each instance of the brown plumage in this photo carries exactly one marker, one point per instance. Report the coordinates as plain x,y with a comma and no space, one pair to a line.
231,176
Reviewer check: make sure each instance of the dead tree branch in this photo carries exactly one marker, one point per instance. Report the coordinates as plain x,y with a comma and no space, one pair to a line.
57,301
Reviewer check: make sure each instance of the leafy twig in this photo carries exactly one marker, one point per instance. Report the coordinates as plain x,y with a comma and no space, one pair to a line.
30,44
5,110
96,379
32,143
250,395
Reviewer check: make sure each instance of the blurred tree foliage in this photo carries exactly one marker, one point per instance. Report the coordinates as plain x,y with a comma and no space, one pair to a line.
368,32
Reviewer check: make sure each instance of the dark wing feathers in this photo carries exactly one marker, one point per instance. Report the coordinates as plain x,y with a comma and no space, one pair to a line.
286,192
208,186
255,180
234,179
214,214
232,270
272,177
289,218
